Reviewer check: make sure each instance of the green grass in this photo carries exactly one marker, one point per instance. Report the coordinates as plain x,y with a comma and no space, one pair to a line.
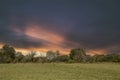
60,71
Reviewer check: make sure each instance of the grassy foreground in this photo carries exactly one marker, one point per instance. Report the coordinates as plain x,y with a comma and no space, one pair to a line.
60,71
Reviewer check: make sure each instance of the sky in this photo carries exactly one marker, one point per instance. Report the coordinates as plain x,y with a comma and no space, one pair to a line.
42,25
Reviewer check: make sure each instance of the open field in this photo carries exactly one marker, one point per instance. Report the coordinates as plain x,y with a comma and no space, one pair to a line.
60,71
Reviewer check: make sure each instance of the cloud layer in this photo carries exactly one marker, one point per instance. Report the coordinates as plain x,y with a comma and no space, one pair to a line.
61,25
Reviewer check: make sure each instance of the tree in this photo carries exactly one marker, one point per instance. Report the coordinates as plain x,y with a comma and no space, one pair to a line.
57,53
1,57
113,57
8,53
18,57
62,58
29,57
50,55
78,55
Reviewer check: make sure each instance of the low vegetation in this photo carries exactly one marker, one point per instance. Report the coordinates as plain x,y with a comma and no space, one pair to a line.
56,67
62,71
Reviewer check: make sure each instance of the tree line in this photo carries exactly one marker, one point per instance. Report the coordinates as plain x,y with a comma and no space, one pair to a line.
9,55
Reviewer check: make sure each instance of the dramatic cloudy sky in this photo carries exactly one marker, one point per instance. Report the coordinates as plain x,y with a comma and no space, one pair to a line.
61,25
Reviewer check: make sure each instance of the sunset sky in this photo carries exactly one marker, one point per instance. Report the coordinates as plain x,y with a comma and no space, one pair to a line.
42,25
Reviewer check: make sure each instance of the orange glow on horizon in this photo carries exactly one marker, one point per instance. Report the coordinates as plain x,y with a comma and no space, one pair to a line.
44,50
62,50
97,51
42,34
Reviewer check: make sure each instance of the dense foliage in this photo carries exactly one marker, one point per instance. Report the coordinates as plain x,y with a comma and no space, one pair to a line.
9,55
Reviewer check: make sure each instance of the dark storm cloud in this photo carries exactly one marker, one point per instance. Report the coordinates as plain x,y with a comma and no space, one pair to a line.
7,36
93,24
100,27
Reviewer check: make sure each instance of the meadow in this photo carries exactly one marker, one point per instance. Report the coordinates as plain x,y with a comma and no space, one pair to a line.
60,71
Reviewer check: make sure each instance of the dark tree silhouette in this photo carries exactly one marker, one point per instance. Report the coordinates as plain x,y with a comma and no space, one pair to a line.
7,53
78,54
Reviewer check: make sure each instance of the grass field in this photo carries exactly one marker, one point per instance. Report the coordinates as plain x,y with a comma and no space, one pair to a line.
60,71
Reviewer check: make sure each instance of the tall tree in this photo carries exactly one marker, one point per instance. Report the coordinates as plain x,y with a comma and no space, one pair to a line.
8,53
78,54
